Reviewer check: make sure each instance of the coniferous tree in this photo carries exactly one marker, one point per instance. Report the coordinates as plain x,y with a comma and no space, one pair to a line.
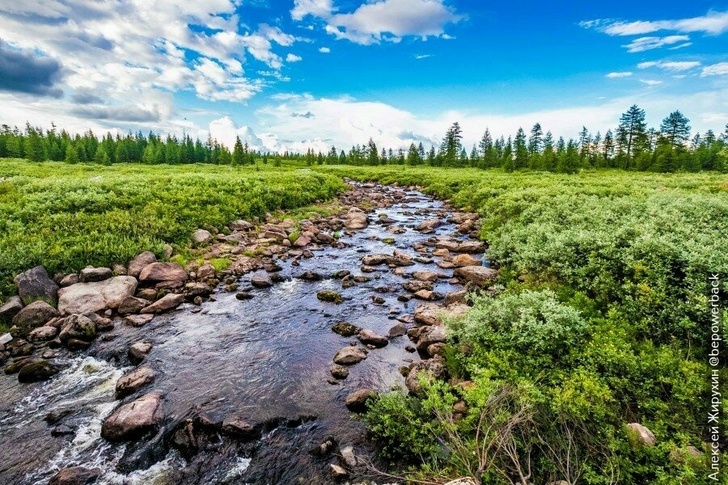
451,145
238,152
632,131
676,129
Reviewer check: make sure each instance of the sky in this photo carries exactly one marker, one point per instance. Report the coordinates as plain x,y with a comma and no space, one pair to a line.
299,74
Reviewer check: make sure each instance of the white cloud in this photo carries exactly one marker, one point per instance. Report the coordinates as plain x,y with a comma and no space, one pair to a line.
650,82
225,131
381,20
616,75
316,8
423,56
673,66
325,50
719,69
293,58
713,23
139,50
642,44
681,46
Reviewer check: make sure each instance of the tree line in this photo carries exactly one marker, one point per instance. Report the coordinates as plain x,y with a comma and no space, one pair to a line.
630,146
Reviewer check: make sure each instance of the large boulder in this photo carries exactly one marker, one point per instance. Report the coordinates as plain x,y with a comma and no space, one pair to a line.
158,272
428,314
462,260
640,434
201,236
35,284
34,315
350,355
431,335
97,296
137,264
77,328
75,475
43,334
91,274
41,370
356,219
133,381
477,275
357,400
11,308
167,302
470,247
368,337
134,419
132,304
138,351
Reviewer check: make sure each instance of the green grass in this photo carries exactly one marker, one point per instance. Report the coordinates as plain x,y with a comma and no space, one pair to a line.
67,216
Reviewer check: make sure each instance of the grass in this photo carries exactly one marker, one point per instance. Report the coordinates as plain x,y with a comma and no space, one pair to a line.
68,216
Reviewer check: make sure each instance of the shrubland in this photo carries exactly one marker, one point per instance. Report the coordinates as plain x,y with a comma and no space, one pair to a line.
600,318
67,216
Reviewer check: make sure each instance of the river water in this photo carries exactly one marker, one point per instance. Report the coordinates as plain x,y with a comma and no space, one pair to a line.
264,360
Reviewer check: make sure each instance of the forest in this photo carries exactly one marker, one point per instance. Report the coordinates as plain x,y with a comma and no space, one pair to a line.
632,145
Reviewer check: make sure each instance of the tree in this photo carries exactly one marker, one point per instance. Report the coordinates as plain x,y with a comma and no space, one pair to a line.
676,129
372,153
521,159
451,145
413,155
535,142
632,131
608,148
238,152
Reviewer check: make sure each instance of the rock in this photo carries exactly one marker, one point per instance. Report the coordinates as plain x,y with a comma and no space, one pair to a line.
432,368
350,355
347,454
337,472
428,295
34,315
477,275
5,338
368,337
462,260
356,219
91,274
428,276
356,401
42,334
41,370
436,349
241,225
138,351
641,434
302,241
205,272
441,253
138,320
35,284
77,327
345,329
133,381
96,296
428,314
398,330
431,335
11,308
201,237
329,296
137,264
118,269
244,295
193,290
69,280
149,294
375,259
167,302
75,475
339,371
415,286
400,258
310,276
429,225
470,247
239,428
134,419
132,304
261,280
77,344
455,297
158,272
167,251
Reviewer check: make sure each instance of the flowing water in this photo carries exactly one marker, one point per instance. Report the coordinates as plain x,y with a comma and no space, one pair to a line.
265,360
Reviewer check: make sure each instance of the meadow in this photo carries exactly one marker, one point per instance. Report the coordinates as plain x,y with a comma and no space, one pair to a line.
600,318
67,216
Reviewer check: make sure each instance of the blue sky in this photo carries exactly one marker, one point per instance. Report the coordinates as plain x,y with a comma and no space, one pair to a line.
293,74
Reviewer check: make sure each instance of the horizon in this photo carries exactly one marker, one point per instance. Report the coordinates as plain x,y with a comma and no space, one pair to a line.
271,71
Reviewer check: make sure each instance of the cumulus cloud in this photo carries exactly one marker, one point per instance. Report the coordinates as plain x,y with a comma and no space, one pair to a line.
616,75
719,69
325,50
381,20
293,58
650,82
26,72
673,66
642,44
136,50
713,23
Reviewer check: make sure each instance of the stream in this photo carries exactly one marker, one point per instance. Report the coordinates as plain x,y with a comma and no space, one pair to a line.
265,360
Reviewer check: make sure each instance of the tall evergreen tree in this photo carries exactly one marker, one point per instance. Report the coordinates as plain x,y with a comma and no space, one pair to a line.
676,129
451,145
632,131
238,152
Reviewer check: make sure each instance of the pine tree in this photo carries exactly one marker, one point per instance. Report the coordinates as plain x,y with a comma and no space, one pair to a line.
451,145
676,129
238,152
632,131
521,159
535,142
